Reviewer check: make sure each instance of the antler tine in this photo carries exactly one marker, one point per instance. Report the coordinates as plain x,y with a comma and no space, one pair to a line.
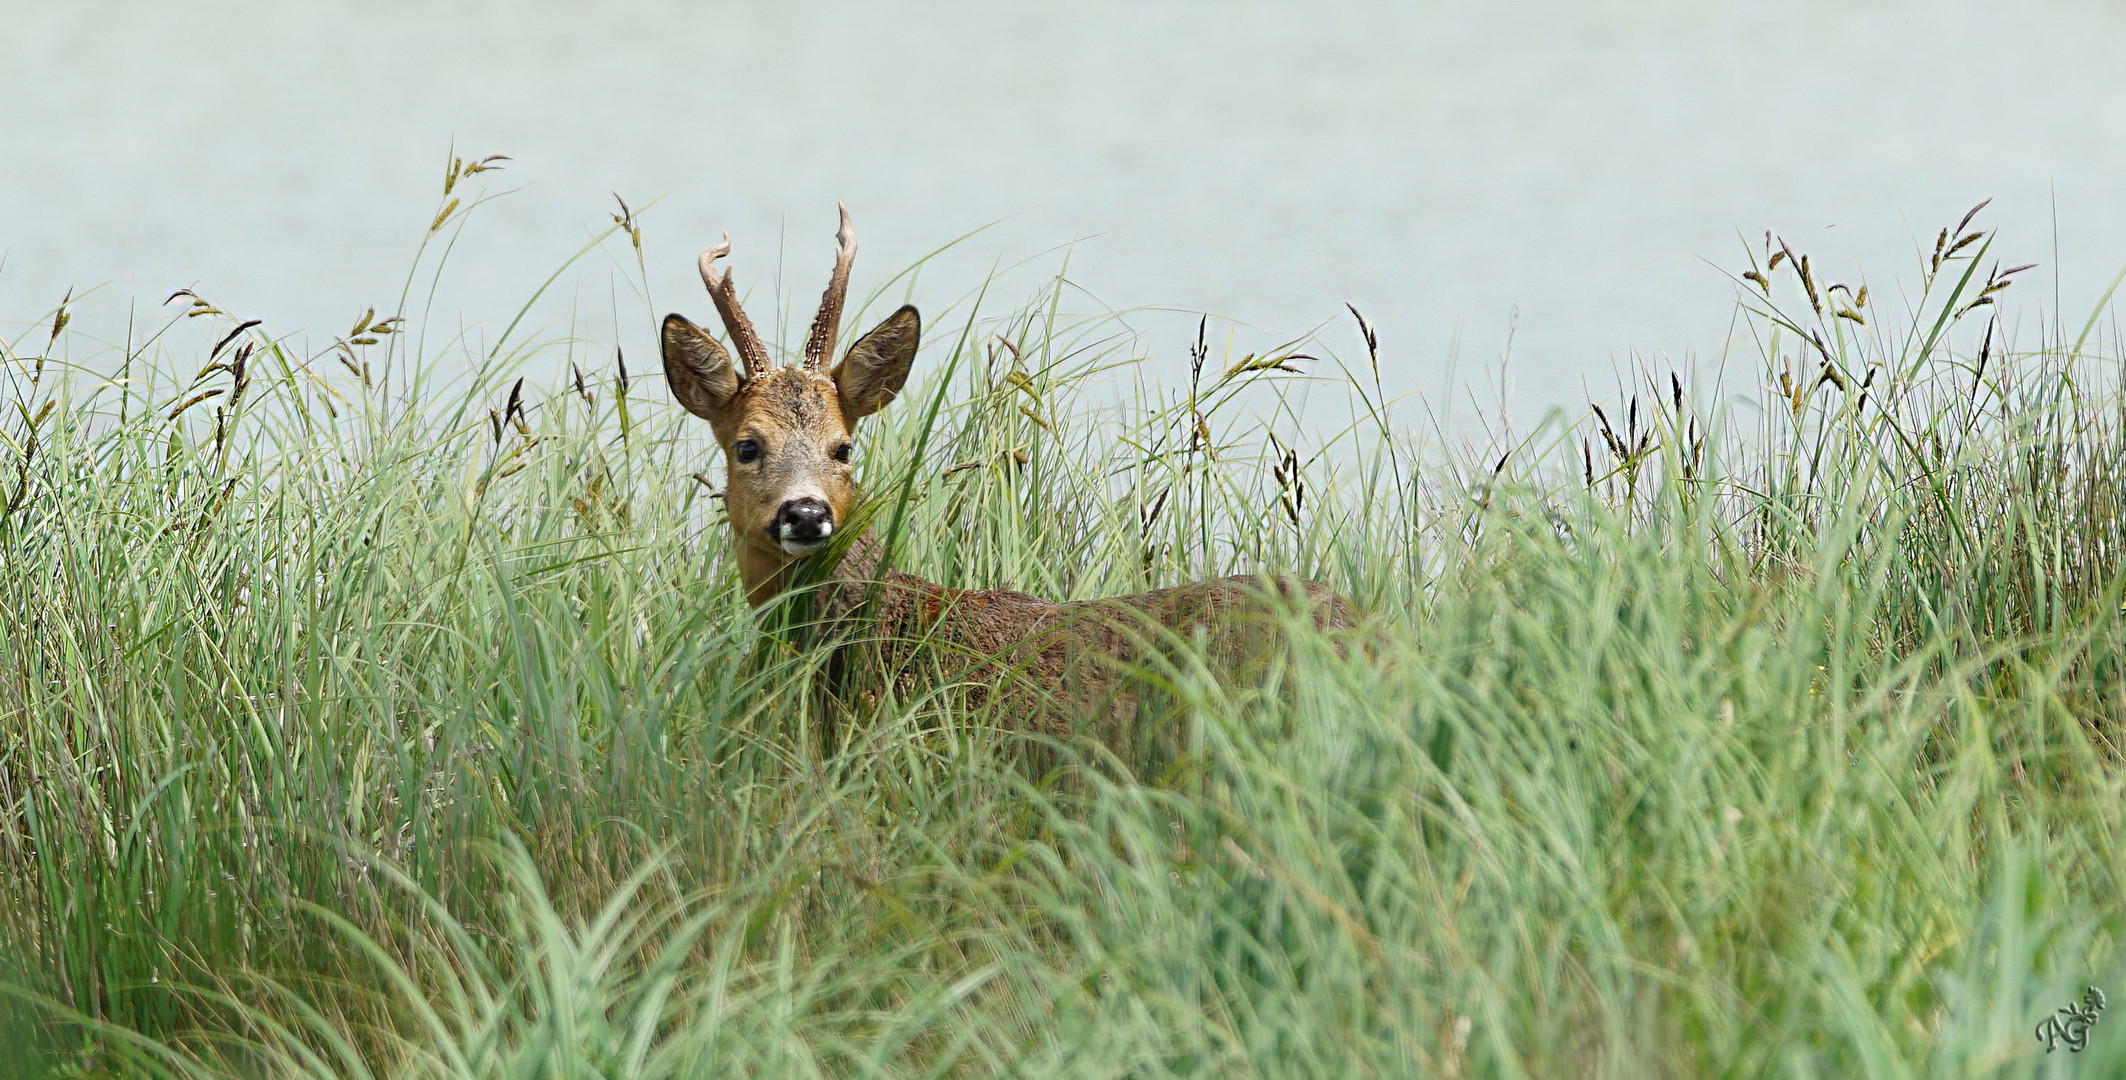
752,355
819,344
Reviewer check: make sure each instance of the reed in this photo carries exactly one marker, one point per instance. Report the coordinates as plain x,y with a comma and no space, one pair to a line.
358,722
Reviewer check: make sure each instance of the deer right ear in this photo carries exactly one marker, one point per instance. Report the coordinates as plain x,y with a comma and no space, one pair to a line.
700,372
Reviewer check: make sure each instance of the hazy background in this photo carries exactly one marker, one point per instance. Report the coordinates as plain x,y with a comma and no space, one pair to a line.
1553,174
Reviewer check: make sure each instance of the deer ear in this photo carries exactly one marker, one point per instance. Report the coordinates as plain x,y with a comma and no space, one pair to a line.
876,367
700,373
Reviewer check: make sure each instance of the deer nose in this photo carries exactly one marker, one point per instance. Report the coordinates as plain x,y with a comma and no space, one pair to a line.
803,521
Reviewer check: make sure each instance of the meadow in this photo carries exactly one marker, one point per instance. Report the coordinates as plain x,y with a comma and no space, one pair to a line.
356,721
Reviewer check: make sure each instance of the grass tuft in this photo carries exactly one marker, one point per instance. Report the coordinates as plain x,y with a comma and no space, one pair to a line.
359,722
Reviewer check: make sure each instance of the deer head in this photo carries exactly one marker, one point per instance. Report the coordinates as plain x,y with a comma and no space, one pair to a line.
786,432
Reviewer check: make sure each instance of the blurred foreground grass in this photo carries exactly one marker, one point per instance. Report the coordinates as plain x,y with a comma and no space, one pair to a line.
356,722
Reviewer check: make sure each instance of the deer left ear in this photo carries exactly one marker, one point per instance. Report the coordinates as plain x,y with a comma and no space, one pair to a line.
876,367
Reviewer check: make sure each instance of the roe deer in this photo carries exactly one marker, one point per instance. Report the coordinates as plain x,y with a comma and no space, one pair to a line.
785,433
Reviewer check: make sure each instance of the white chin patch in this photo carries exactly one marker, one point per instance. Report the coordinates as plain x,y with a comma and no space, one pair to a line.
806,547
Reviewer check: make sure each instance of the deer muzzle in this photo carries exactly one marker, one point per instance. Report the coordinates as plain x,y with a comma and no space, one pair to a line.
801,526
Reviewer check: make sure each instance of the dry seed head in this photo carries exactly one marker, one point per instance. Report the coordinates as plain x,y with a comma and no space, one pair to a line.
625,219
232,336
460,169
1365,331
1973,213
195,399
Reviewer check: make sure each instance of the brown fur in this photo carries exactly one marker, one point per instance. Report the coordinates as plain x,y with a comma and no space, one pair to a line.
1072,657
1072,662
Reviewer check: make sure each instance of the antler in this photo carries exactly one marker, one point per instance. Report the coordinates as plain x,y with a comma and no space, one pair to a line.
819,344
752,355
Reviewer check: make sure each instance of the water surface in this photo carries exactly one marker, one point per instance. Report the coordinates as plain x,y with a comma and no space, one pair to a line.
1547,181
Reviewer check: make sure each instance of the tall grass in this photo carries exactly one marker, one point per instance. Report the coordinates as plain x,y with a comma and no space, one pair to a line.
357,722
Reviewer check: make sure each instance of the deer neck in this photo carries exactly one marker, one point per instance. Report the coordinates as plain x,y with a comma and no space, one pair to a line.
764,573
767,573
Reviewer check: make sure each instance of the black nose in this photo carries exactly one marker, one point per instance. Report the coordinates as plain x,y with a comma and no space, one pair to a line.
803,520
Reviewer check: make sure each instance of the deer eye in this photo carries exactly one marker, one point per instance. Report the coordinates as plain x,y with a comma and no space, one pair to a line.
841,453
745,450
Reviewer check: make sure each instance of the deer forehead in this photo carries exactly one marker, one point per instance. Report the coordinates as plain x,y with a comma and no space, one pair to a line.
791,402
